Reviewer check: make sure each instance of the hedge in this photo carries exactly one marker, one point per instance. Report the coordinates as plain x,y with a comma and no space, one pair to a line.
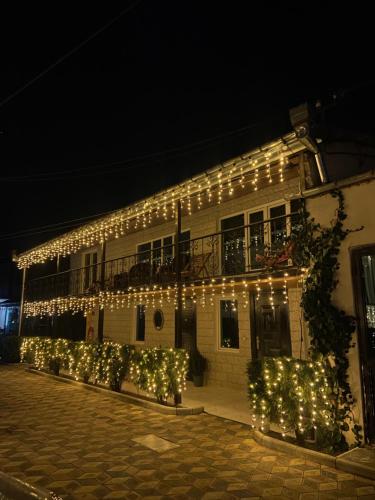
159,371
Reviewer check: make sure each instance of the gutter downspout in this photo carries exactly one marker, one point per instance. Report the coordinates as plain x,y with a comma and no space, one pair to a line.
300,119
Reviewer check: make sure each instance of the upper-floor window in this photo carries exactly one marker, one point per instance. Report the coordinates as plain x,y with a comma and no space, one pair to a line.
161,251
90,271
233,245
246,237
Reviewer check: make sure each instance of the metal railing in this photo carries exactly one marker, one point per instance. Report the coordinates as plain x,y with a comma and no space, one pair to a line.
236,251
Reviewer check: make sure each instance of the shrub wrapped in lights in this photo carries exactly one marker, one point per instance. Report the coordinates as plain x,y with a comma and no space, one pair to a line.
160,372
297,396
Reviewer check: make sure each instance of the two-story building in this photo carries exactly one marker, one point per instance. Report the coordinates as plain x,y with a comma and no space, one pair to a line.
206,264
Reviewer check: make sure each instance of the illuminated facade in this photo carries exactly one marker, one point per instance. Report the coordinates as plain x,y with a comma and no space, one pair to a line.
205,264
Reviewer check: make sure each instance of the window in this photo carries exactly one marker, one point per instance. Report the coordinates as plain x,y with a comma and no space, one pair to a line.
256,238
233,245
90,271
185,248
229,335
277,227
144,252
161,251
269,228
140,323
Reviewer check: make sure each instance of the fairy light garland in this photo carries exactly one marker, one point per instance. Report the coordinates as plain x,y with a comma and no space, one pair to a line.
160,372
142,214
293,392
204,292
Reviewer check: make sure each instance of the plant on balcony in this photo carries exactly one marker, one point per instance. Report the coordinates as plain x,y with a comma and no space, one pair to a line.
198,365
271,259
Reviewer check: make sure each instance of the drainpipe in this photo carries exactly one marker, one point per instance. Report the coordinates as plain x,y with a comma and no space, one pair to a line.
300,120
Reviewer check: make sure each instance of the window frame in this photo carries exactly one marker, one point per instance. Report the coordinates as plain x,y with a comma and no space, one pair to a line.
266,208
136,340
220,348
162,238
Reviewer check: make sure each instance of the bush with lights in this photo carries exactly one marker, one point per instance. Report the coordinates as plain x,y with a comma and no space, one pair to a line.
160,372
296,395
282,389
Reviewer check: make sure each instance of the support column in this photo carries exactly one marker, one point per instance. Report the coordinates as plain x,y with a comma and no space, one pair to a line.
178,312
102,282
22,300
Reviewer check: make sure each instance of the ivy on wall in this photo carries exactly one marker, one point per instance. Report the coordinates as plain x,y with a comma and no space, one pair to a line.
315,249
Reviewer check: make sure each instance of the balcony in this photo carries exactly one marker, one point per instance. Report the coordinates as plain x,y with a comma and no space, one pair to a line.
246,251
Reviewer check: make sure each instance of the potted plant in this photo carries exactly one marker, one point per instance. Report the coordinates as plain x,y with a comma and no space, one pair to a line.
198,364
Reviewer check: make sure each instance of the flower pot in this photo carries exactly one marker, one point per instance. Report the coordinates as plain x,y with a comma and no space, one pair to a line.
198,380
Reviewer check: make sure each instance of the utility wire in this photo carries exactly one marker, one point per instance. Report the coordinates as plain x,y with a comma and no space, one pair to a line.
122,165
78,222
71,52
58,224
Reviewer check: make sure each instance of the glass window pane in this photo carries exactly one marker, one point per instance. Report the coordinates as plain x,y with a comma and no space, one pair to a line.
168,250
229,336
295,206
256,238
233,245
185,248
141,323
144,252
156,253
278,227
368,266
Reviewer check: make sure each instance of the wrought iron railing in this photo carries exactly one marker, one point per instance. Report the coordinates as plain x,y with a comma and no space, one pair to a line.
237,251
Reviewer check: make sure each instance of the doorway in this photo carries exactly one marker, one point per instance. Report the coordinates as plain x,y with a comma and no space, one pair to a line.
189,326
363,272
270,326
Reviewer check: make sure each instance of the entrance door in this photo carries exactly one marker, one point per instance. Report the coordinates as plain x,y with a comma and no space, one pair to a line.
363,267
189,326
270,325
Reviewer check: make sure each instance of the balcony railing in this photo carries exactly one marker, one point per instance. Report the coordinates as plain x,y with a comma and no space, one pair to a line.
234,252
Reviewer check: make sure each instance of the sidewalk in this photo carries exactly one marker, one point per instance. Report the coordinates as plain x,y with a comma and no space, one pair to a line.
219,401
233,405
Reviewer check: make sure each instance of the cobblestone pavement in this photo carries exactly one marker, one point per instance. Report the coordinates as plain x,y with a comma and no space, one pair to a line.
80,445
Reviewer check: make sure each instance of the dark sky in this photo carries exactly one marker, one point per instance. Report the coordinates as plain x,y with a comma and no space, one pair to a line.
167,75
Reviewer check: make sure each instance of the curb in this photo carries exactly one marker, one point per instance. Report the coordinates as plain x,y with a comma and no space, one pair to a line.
16,489
316,456
166,410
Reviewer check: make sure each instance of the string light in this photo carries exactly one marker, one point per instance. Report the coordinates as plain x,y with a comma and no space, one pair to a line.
161,372
298,384
141,214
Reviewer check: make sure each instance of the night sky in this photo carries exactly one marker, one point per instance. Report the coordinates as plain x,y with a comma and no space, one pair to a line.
171,88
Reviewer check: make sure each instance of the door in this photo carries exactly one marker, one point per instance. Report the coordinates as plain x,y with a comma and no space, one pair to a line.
189,326
363,269
270,324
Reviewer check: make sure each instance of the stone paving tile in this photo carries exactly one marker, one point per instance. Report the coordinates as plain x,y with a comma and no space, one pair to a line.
80,445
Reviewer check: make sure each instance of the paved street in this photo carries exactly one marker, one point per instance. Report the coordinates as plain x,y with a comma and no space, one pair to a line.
80,445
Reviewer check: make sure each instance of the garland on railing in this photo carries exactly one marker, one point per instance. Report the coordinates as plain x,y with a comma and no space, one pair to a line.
160,372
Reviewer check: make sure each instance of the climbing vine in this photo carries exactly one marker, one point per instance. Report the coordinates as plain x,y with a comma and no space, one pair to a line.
316,249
